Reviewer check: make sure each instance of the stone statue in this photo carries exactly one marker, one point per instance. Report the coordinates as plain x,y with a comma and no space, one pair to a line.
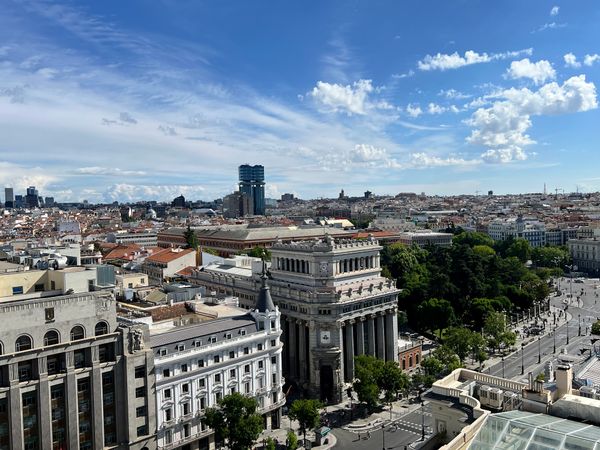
137,340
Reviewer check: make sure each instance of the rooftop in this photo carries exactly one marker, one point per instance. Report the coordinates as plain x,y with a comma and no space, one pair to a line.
522,430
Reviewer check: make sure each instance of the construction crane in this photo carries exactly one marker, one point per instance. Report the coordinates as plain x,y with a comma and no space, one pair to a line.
556,192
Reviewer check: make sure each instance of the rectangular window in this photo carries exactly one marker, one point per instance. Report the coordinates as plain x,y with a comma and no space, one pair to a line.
163,352
16,290
216,358
218,396
217,377
168,437
243,332
247,368
273,359
184,367
202,403
202,383
185,409
228,335
166,373
168,414
180,347
246,351
140,392
140,371
273,342
140,411
247,388
142,430
39,287
167,394
260,364
186,430
231,354
200,363
185,388
232,373
260,347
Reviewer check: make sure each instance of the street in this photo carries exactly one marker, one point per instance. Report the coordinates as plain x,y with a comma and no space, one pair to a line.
583,313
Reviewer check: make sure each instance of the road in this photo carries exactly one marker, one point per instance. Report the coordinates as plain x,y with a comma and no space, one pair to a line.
535,355
407,430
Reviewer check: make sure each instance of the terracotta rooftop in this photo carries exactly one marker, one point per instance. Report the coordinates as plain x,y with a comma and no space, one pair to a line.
167,255
123,252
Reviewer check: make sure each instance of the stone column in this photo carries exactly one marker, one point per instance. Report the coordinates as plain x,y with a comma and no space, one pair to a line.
96,395
302,350
380,337
349,350
360,336
293,367
391,334
371,335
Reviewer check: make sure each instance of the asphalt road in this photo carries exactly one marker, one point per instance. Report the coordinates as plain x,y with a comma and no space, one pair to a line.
405,430
535,355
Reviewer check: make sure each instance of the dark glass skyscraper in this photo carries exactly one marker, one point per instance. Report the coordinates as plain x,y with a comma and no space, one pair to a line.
252,183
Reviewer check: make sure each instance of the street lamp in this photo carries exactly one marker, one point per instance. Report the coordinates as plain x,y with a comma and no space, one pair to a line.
554,335
522,358
503,367
579,321
422,420
539,350
567,323
383,437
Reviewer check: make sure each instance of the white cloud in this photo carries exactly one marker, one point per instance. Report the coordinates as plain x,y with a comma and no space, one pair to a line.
413,110
539,71
571,60
109,171
125,117
399,76
503,126
554,11
442,61
351,99
167,130
453,94
589,60
550,26
423,160
434,108
130,193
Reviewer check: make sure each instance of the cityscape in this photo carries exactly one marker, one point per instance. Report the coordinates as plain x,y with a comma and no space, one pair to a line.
265,226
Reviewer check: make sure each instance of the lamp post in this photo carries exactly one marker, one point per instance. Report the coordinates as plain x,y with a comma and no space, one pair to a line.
554,335
567,323
422,420
503,367
539,350
522,358
383,437
579,321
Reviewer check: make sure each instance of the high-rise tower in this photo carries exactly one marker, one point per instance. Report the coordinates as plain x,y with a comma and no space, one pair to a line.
252,183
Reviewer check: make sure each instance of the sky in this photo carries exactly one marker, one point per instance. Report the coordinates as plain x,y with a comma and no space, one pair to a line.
148,99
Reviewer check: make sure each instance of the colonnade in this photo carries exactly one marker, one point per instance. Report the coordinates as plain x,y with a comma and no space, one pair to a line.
293,265
374,334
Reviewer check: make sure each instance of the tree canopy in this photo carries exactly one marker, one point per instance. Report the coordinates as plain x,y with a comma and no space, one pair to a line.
378,380
306,412
235,419
190,238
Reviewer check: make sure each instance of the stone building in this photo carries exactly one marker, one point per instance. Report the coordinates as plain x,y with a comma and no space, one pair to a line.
71,377
334,304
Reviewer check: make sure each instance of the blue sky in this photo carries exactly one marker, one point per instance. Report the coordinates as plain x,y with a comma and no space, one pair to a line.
146,99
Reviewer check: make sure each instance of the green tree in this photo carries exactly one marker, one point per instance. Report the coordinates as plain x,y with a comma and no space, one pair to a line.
259,252
484,251
496,331
190,238
520,249
236,420
596,327
291,441
306,412
436,313
473,239
391,381
551,257
458,339
366,370
271,444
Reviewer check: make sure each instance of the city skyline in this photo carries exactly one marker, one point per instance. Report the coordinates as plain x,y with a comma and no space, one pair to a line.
109,102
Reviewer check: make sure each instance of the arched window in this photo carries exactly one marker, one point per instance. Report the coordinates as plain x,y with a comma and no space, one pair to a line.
101,328
51,337
23,343
77,333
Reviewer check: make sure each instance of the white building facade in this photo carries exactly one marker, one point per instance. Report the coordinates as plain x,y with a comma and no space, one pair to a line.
198,365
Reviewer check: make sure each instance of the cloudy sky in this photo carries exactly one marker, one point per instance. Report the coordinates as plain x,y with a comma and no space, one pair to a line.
146,99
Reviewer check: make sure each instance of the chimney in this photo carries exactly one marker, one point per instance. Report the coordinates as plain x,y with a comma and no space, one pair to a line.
564,379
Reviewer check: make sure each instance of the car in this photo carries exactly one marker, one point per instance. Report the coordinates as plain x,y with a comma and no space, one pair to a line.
579,280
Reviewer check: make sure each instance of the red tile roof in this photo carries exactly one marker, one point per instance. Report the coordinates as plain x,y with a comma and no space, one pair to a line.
167,255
